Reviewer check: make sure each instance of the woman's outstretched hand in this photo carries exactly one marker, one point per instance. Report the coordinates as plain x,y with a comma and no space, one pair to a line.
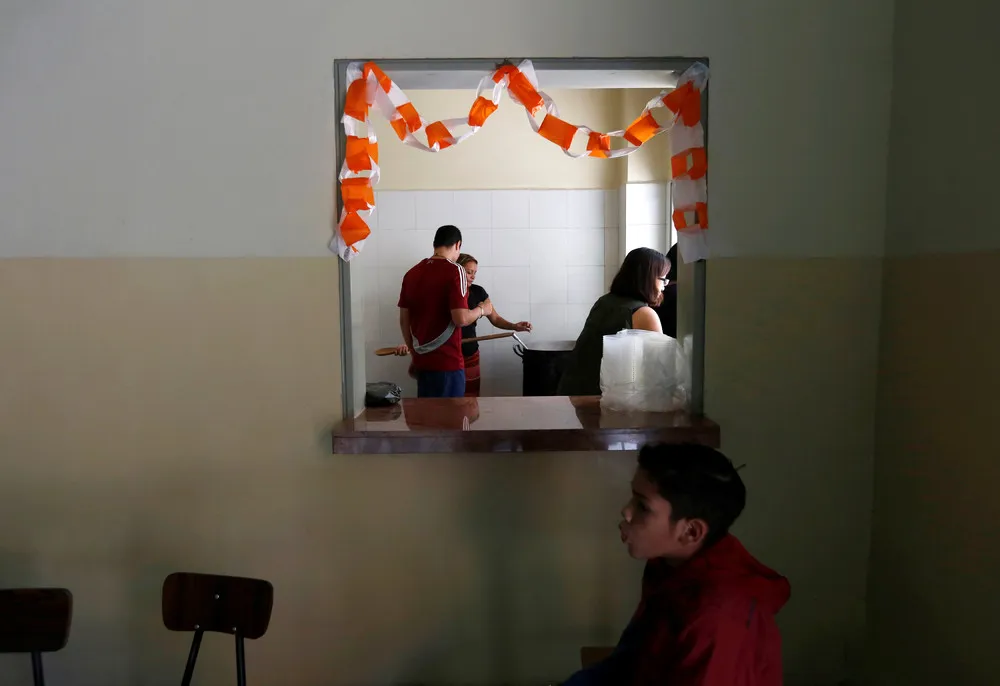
523,326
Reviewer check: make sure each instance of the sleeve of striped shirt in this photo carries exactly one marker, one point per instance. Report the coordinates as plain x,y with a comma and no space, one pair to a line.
459,294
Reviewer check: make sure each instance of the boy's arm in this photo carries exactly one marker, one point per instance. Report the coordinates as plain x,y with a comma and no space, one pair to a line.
607,672
404,327
458,300
707,651
614,670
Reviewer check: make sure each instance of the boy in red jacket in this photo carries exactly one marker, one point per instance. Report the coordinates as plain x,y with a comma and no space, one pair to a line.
706,617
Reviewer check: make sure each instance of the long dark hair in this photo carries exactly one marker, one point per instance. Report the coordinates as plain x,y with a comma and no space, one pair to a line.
636,277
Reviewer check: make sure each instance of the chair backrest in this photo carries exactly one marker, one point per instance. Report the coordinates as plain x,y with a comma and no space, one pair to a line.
34,620
226,604
591,655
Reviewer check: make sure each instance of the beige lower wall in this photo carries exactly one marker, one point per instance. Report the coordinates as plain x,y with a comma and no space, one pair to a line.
935,560
791,356
173,414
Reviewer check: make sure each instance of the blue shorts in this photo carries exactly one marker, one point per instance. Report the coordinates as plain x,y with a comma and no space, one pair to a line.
441,384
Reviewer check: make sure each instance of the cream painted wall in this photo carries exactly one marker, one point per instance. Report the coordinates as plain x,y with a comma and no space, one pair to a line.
934,593
166,414
505,153
651,163
179,128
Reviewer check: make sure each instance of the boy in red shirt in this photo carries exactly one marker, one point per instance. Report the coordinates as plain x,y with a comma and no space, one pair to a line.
707,613
433,308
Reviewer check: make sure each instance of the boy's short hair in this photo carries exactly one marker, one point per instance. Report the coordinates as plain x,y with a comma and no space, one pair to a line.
699,483
447,235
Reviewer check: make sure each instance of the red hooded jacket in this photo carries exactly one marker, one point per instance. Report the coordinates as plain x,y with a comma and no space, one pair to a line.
709,622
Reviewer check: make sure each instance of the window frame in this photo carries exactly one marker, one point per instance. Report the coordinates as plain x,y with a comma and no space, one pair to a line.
353,389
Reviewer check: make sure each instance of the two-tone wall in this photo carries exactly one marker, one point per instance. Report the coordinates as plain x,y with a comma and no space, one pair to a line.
170,352
934,586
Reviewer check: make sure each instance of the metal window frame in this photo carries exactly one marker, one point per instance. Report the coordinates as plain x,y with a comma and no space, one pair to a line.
678,64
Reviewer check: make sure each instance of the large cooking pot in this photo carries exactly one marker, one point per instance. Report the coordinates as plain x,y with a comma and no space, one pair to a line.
543,362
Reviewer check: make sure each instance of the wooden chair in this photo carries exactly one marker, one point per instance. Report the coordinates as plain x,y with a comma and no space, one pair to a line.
224,604
36,621
591,655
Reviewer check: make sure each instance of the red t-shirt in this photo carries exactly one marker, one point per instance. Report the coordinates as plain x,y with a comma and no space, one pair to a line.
430,291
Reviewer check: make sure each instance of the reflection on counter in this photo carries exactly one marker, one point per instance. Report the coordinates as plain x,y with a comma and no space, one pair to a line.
421,425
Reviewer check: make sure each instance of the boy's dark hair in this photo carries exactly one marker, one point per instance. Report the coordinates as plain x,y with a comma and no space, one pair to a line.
636,277
699,483
447,235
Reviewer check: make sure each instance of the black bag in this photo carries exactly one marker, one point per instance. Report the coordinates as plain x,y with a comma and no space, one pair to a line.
382,394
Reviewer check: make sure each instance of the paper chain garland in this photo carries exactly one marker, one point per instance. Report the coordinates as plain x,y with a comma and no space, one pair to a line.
677,111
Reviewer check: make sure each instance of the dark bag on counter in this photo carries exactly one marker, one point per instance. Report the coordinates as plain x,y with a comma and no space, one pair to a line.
382,394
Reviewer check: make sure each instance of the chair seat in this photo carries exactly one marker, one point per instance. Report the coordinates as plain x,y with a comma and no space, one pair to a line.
591,655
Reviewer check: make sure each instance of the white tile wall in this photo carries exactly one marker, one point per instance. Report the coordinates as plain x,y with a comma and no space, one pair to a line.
585,247
473,210
612,258
646,236
396,210
585,209
549,284
389,281
514,311
550,247
544,256
434,209
585,284
510,209
547,210
478,243
646,217
400,248
511,247
612,204
510,284
548,321
645,203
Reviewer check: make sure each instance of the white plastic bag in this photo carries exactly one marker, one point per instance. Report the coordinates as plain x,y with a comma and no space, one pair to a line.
644,371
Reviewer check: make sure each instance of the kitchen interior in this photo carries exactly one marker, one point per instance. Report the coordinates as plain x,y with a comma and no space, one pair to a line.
548,231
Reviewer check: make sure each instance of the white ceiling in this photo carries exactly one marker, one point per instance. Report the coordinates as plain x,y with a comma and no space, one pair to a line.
552,79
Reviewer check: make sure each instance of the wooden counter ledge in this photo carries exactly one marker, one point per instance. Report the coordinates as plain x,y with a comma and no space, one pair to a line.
503,425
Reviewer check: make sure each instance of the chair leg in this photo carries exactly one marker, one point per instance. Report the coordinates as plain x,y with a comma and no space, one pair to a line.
241,663
192,658
36,669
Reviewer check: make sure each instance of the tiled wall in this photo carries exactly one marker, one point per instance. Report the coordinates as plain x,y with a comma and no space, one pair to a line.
542,257
646,222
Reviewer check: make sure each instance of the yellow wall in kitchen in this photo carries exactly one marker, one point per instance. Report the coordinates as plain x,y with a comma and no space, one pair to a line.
506,152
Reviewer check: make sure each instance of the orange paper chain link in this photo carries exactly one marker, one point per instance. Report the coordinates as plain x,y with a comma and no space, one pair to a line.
361,155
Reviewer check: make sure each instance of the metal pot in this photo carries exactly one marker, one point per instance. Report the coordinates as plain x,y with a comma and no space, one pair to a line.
543,364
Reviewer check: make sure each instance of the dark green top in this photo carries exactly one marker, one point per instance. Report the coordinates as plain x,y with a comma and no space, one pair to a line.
609,315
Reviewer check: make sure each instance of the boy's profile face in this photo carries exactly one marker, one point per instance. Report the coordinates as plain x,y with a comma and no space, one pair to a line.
647,528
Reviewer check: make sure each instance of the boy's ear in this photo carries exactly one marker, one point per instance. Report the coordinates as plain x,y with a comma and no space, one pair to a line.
695,531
